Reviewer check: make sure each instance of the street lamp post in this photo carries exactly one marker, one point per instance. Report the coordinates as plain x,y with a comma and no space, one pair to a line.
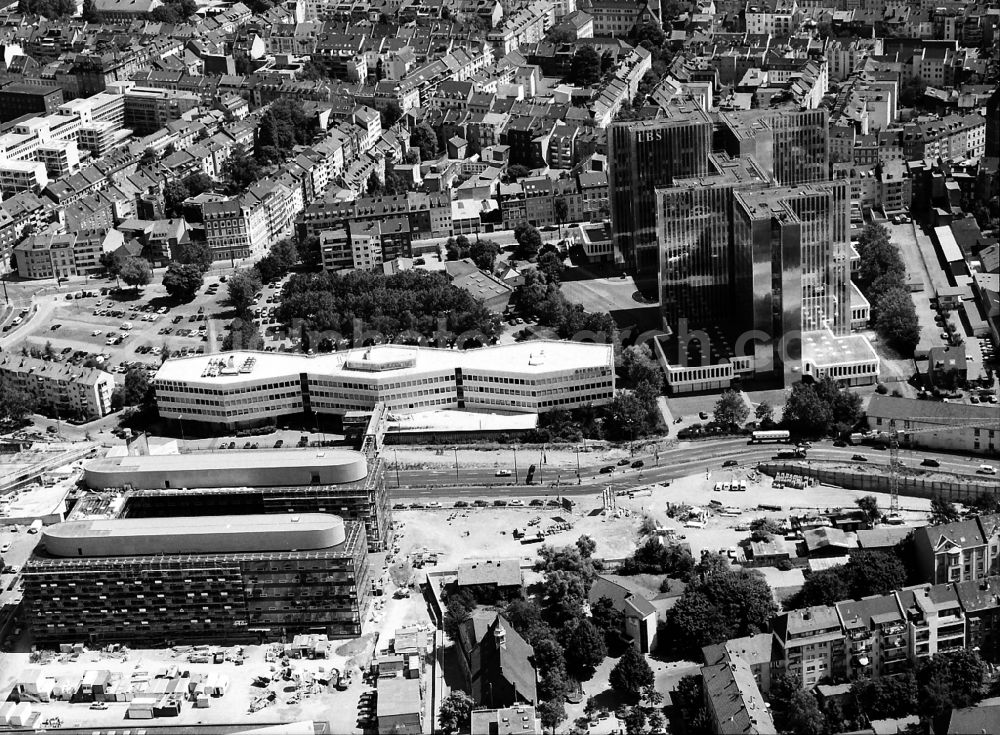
456,465
515,465
395,458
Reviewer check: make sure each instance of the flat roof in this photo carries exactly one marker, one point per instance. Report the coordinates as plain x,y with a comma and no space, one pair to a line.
259,459
949,245
823,348
391,361
193,534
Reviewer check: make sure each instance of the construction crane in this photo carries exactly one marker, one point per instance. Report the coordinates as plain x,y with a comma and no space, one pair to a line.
894,465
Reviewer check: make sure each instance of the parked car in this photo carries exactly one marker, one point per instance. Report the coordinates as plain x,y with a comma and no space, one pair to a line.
607,470
503,473
859,458
730,463
928,462
638,464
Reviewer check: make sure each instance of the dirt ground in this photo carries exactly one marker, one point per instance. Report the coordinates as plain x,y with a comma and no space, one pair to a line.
314,703
471,533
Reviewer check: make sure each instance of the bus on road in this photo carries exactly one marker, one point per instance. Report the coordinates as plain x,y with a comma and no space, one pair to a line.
776,435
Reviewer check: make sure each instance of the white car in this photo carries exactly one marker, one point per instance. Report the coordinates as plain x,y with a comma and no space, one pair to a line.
5,548
95,333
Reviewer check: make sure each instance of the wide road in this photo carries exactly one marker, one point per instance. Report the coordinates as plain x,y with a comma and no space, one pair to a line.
709,453
678,462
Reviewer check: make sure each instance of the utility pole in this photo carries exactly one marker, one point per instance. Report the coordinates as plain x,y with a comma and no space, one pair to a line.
893,468
395,458
515,465
456,464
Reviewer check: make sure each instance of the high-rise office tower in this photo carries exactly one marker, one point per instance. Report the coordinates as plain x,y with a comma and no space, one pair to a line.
793,146
797,242
700,272
790,146
642,156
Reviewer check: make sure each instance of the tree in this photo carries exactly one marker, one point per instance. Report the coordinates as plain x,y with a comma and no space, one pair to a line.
551,265
869,506
763,529
639,366
194,252
90,14
867,573
878,257
896,319
175,191
720,604
949,681
391,114
283,126
149,157
455,711
586,546
516,172
15,404
240,169
607,619
653,557
585,649
805,412
309,252
731,409
803,715
887,696
631,676
635,721
943,511
484,254
585,67
529,241
242,335
137,388
551,712
243,286
183,281
561,209
425,139
135,272
764,413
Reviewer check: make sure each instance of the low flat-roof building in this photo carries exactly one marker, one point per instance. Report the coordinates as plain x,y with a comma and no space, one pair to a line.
956,427
197,578
400,708
247,468
246,388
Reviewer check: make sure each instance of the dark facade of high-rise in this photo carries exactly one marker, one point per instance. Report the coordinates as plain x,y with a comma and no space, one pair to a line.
263,578
789,146
797,242
645,155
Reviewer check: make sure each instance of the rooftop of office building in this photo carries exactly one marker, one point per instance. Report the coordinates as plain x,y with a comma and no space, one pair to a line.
229,534
823,348
537,356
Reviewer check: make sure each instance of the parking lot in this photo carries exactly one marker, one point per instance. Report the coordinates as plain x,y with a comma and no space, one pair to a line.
141,327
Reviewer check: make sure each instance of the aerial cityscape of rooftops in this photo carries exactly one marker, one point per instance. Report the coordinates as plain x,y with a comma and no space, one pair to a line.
500,367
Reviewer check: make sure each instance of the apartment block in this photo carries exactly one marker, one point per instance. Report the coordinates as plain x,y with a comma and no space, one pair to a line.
59,389
19,99
935,619
812,644
878,640
235,228
964,551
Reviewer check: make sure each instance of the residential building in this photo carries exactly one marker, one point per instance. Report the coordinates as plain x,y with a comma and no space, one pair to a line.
125,9
935,619
757,651
811,644
209,578
963,551
733,700
59,389
980,601
52,254
878,640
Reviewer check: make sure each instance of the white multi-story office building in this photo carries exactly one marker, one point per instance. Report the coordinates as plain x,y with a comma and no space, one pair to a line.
251,387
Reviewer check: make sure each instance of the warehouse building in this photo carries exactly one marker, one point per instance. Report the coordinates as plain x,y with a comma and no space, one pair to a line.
184,579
